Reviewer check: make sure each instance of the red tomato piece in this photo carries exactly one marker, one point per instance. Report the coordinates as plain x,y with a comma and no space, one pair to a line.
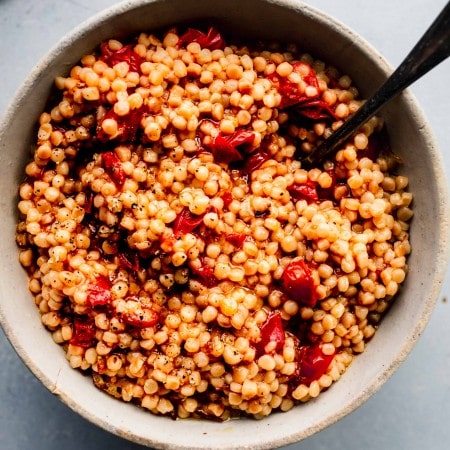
205,275
378,145
146,318
227,199
311,107
113,166
212,39
237,240
290,93
83,332
328,193
127,125
272,335
305,191
125,54
315,109
254,161
99,292
298,284
225,147
186,222
312,363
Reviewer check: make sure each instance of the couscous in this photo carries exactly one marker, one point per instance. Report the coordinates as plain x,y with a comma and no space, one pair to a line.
176,248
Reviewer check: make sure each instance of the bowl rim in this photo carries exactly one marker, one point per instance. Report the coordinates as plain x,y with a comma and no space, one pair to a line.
96,21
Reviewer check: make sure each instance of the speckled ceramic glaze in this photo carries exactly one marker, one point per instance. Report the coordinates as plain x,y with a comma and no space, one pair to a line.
411,139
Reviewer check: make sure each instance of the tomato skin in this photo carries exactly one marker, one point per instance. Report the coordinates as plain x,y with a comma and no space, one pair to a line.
205,275
235,239
225,147
312,363
186,222
272,335
314,107
99,292
83,334
227,199
298,284
254,161
124,54
304,191
127,126
212,39
113,167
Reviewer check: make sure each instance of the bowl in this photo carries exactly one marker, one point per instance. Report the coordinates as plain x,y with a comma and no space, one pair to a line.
324,38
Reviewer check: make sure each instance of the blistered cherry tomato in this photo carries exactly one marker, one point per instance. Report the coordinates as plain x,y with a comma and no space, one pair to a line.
83,333
227,199
212,39
272,335
226,147
312,363
304,191
309,106
99,292
254,161
186,222
113,167
237,240
127,126
205,275
124,54
298,284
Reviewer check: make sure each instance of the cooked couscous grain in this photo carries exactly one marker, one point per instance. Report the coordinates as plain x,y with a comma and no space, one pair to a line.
177,249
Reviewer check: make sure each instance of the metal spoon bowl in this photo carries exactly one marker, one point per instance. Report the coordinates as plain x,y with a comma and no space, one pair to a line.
430,50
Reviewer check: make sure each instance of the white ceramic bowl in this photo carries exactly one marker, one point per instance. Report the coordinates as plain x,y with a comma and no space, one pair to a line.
411,137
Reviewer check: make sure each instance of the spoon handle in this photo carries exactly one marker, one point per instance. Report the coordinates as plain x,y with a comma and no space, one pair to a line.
432,48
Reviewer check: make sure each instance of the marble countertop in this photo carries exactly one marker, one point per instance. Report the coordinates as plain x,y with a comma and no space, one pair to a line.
410,410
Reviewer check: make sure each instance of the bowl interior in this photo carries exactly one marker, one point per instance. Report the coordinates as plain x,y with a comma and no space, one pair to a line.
323,37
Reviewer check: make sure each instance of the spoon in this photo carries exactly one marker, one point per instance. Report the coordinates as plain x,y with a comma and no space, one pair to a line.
432,48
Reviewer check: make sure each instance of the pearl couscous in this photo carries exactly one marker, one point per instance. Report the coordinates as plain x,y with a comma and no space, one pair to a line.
176,248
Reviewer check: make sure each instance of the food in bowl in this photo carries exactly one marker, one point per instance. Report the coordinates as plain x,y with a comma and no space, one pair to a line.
177,249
